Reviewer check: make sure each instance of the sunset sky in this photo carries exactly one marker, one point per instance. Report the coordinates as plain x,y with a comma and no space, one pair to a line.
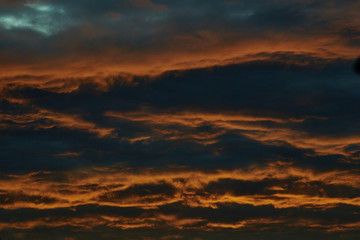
179,119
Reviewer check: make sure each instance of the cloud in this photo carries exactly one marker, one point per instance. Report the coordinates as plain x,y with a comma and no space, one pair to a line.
229,116
81,36
44,18
279,186
148,3
179,120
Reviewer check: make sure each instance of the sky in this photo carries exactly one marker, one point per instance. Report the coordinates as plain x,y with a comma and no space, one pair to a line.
188,120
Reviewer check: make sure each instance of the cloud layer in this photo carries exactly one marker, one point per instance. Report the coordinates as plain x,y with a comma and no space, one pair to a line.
149,37
179,120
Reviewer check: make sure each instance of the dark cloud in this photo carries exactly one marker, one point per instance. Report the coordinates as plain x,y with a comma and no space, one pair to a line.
144,191
311,92
357,66
291,219
9,198
73,33
323,94
254,102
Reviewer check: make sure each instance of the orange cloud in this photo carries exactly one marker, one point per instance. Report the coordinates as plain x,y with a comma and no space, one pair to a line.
150,189
147,189
100,69
55,119
253,127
